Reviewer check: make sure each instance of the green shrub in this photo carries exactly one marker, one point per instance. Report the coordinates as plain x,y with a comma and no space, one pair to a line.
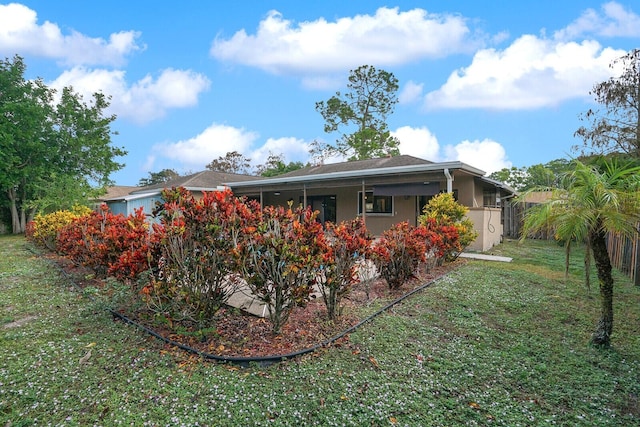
444,209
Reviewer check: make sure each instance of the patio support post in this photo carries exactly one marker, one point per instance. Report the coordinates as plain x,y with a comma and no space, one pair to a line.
304,195
364,204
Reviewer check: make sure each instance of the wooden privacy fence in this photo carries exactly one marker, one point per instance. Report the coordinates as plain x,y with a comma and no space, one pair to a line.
623,251
625,255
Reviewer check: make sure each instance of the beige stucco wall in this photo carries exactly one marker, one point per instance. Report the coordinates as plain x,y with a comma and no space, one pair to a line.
404,208
487,222
466,190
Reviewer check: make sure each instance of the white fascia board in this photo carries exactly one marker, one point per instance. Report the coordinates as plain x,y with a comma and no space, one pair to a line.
133,196
209,189
433,167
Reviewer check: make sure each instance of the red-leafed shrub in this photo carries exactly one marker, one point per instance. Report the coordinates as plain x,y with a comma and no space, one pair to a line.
349,246
109,244
281,256
197,272
399,251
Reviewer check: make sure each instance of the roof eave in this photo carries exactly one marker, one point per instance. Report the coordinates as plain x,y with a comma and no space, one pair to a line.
432,167
134,196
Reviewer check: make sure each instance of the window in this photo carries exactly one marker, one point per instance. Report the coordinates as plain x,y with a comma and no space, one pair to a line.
375,204
490,199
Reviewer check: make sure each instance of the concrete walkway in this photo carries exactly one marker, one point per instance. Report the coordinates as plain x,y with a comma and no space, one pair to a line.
484,257
244,300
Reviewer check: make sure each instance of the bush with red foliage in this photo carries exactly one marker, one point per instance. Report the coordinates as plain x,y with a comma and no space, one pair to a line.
280,256
402,248
197,273
349,245
110,244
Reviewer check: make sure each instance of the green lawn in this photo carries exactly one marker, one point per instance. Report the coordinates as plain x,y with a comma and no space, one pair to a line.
490,344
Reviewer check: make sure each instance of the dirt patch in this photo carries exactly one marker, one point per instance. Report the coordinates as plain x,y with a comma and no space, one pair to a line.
18,323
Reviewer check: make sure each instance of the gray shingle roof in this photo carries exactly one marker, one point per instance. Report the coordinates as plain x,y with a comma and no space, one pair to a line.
384,162
117,191
202,180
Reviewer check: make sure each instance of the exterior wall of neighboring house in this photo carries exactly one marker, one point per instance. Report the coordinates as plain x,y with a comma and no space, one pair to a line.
128,205
119,207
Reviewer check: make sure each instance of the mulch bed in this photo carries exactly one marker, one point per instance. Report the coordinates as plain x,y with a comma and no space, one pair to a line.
238,334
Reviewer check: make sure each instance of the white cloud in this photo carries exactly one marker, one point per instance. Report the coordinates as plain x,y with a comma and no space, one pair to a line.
145,100
532,72
148,165
215,141
418,142
486,155
411,92
389,37
293,150
614,21
20,32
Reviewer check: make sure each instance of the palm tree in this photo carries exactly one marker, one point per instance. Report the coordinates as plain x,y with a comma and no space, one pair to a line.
593,201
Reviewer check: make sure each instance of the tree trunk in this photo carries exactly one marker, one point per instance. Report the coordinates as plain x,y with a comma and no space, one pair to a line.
602,336
15,216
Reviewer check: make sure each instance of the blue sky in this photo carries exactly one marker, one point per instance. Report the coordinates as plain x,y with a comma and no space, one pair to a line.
493,84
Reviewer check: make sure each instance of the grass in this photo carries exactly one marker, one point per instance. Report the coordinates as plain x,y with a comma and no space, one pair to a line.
490,344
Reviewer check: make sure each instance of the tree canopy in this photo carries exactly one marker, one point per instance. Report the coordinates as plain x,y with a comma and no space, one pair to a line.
363,110
615,127
158,177
276,165
232,162
50,150
546,175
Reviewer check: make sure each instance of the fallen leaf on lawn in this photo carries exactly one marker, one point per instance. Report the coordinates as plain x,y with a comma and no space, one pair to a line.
343,397
393,420
374,362
221,347
474,405
90,345
322,402
272,415
84,359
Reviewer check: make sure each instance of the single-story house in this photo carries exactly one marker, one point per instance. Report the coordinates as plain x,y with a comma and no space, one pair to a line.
386,191
383,191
